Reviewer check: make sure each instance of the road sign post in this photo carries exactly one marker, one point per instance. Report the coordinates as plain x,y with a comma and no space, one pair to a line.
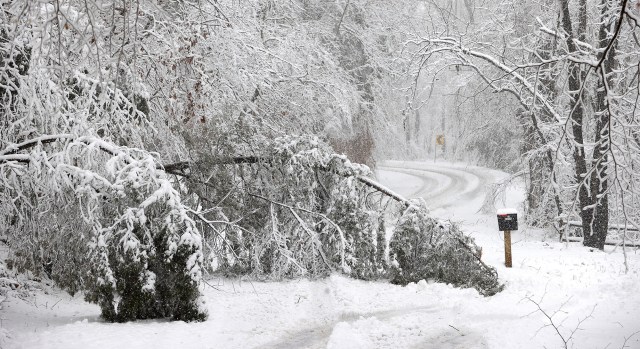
439,141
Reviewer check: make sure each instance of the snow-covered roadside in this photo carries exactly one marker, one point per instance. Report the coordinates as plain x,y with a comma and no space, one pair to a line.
343,313
338,312
569,282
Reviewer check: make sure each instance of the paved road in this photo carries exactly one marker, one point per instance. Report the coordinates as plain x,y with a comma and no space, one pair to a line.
442,185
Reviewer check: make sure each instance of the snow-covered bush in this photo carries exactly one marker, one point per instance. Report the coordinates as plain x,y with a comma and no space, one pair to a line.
112,224
423,248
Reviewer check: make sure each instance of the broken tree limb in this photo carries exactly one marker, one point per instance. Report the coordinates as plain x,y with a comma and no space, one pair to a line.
181,168
15,148
384,190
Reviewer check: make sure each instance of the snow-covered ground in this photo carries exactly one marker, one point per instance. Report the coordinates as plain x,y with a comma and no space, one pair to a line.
591,300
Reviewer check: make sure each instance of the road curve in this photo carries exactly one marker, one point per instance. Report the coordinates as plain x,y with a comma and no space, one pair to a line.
442,185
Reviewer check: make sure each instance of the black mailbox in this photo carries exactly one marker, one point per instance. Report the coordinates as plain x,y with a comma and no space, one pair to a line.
507,219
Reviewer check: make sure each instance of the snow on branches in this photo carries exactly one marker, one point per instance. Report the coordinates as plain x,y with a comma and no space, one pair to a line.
423,248
299,209
284,205
108,220
138,252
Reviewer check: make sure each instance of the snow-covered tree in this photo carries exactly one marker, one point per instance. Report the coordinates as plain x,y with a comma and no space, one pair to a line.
423,248
567,72
105,219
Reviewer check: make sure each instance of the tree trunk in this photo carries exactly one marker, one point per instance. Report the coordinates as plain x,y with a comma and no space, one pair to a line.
540,210
600,222
576,78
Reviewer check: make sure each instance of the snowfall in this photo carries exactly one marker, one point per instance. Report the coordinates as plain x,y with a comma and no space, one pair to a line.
557,294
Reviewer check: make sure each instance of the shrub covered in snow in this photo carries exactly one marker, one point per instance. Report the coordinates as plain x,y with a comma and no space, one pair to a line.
112,225
424,248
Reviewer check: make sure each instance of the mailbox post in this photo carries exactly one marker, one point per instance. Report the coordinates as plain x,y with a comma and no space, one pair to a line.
507,221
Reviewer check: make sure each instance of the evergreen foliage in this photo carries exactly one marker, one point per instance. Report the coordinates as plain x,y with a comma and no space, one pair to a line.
423,248
359,225
115,228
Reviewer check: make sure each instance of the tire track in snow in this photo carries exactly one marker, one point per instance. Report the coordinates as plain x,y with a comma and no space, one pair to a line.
454,339
444,186
318,336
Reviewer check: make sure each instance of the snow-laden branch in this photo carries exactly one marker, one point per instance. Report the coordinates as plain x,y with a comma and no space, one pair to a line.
343,242
616,32
15,158
463,52
631,14
120,209
179,168
15,148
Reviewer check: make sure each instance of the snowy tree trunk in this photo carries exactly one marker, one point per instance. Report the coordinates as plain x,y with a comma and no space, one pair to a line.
596,236
577,117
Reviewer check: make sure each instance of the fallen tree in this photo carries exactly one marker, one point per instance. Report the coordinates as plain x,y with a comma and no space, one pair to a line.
425,248
136,235
181,168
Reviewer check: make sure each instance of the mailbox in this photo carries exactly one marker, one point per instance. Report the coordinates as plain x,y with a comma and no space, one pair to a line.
507,219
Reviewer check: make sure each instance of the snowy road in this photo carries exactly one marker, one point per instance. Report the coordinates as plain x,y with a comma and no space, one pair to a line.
579,287
441,185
